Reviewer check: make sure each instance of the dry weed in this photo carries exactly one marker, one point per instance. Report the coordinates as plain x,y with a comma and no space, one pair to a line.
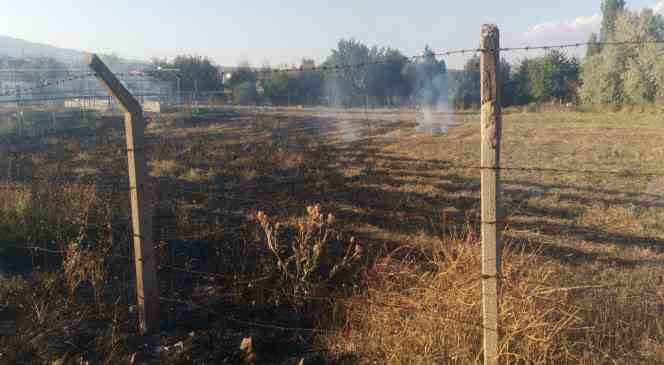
311,253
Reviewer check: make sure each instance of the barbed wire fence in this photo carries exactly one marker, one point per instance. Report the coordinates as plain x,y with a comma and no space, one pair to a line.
193,214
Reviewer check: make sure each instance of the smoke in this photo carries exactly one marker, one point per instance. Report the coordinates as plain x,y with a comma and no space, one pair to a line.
432,103
430,95
336,111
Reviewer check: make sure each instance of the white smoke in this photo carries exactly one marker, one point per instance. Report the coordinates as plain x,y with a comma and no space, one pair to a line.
336,111
433,110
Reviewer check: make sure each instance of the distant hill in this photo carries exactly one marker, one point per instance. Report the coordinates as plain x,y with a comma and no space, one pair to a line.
18,48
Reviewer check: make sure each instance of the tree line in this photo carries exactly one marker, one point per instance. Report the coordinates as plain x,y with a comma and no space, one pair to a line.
386,78
627,73
608,74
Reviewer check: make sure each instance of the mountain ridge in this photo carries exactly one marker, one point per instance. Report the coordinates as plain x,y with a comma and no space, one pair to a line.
19,48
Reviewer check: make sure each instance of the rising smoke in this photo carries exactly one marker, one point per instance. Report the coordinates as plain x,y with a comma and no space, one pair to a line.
432,102
429,95
337,100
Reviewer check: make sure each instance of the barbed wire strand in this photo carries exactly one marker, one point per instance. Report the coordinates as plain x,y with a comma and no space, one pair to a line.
348,67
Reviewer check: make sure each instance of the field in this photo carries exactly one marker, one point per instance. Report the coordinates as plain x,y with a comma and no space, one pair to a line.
247,249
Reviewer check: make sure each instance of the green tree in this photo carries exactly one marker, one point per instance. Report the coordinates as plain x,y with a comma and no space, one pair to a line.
197,73
387,84
601,78
310,83
593,46
521,84
280,88
509,84
554,76
245,93
243,73
465,87
466,90
349,87
303,87
193,72
396,85
611,10
628,73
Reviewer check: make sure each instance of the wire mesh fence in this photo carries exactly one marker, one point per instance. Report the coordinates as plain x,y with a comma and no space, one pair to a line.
65,206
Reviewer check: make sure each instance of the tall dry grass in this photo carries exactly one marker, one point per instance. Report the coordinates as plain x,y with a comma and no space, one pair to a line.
424,307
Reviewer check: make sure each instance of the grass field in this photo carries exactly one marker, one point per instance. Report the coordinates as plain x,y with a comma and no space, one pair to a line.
392,278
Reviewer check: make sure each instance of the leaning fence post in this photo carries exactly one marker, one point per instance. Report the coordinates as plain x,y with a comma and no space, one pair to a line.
141,218
491,120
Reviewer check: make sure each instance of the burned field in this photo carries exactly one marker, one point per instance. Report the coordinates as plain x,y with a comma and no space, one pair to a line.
336,236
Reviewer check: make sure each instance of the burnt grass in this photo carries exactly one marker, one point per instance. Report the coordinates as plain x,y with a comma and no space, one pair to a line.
385,183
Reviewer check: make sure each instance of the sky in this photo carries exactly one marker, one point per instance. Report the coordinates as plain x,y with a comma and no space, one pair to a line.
277,32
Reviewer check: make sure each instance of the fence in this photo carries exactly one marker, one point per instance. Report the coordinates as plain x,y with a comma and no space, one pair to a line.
208,180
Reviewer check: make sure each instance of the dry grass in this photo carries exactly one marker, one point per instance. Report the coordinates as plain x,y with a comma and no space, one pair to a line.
583,269
412,315
164,168
582,264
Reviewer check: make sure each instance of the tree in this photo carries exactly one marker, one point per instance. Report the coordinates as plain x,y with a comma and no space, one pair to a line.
310,83
553,76
197,73
593,46
387,84
466,90
243,73
600,78
611,10
245,93
349,87
509,84
396,85
465,87
194,72
302,87
279,88
629,73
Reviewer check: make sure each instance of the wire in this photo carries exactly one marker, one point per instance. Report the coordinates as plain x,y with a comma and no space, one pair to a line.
352,66
578,44
46,84
243,322
620,173
444,53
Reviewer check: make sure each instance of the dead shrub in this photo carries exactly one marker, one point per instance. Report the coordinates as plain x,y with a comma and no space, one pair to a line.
312,253
84,265
87,258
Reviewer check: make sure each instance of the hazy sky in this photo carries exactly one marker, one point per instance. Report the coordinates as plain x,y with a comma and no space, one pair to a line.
285,31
